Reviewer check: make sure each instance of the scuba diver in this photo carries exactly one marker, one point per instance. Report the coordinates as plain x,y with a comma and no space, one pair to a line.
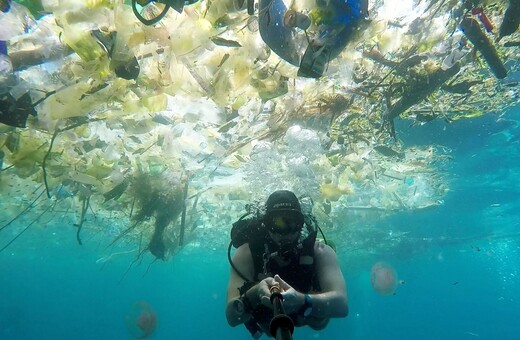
278,249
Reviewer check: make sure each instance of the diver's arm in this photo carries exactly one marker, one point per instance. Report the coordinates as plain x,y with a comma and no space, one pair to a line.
331,302
243,261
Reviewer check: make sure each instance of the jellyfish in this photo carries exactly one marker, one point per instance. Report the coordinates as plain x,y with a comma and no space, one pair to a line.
383,278
141,321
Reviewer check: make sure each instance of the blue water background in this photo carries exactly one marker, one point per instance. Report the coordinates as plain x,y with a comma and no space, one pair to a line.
461,274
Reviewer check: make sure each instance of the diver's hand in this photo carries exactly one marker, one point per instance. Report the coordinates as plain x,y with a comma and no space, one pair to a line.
260,293
292,299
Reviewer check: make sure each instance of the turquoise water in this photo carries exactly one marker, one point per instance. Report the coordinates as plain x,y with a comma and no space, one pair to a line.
197,115
459,264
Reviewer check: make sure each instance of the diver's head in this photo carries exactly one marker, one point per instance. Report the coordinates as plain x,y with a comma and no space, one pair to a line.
283,218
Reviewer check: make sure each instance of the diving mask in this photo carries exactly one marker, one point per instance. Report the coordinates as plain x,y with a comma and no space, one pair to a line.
285,225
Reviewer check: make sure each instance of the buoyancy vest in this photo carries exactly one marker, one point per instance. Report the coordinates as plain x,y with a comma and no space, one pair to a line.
298,269
299,272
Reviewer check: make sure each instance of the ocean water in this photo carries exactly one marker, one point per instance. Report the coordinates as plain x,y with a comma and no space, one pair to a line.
458,263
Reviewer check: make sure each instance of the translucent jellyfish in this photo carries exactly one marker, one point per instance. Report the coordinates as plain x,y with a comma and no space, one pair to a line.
141,321
383,278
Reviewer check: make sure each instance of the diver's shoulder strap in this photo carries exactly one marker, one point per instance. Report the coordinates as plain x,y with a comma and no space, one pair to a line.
257,252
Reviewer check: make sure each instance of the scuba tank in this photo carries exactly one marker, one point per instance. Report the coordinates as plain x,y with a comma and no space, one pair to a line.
246,229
